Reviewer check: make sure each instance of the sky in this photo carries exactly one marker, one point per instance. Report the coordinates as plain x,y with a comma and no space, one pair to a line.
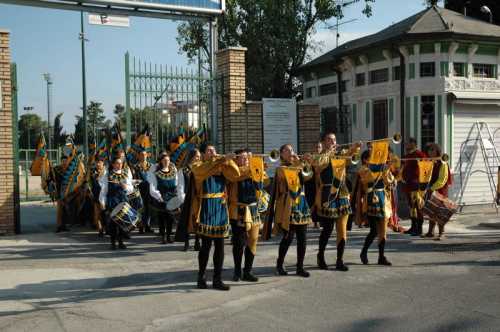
46,40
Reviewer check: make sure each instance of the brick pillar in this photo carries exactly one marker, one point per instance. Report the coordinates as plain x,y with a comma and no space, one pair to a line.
309,127
231,106
255,130
7,198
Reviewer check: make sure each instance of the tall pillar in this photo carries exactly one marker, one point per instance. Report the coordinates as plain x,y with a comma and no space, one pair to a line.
232,115
7,197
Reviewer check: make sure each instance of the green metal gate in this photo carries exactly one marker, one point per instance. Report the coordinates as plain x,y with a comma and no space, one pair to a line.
164,97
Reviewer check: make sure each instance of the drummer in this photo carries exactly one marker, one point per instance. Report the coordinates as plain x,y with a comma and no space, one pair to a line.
141,170
115,186
166,186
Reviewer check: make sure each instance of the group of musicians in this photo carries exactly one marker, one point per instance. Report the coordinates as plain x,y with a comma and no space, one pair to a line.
211,196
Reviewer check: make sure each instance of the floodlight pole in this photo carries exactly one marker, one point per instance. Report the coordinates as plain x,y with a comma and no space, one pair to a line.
84,90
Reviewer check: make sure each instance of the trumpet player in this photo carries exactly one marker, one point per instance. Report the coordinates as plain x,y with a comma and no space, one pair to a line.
332,201
209,210
290,210
411,186
244,217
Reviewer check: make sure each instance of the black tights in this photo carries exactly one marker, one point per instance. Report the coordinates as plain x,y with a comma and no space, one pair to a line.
206,245
165,222
374,222
239,240
115,232
287,239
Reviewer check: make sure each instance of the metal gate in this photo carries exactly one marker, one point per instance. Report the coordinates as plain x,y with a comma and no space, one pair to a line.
165,98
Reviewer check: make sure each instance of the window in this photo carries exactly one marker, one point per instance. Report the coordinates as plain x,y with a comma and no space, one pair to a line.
379,76
427,69
360,79
396,73
482,70
380,123
328,89
343,86
458,69
427,120
311,92
328,119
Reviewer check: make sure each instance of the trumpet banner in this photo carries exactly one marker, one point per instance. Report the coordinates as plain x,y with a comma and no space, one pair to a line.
292,180
338,167
257,168
379,153
425,170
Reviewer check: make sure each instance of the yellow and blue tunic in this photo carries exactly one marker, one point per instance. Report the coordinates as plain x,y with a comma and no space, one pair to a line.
243,199
209,205
332,195
290,204
112,191
376,186
166,186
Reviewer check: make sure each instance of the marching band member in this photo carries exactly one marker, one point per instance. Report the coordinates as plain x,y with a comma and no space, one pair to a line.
376,185
332,200
98,215
244,217
209,214
290,209
394,164
115,186
141,171
440,181
167,189
310,189
358,201
181,233
412,187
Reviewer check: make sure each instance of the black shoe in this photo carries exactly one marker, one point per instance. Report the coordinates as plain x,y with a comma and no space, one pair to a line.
197,246
169,240
236,277
202,283
100,235
364,257
186,246
321,262
141,230
248,276
62,229
126,236
163,239
122,246
113,246
383,261
149,230
219,285
280,270
340,266
303,273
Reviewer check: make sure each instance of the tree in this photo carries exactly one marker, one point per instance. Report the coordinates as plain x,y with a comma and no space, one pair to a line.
78,135
430,3
95,117
277,35
119,110
30,126
59,135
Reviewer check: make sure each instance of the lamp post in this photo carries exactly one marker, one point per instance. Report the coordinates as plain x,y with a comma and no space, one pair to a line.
487,10
48,79
84,89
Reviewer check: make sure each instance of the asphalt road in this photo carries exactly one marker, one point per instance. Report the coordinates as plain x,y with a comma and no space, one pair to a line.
73,282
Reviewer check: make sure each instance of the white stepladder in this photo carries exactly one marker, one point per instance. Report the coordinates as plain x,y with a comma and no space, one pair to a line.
490,155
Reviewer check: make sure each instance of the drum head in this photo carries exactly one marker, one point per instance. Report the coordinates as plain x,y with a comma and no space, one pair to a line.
118,208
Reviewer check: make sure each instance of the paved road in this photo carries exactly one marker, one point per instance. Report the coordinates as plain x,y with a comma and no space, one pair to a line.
72,282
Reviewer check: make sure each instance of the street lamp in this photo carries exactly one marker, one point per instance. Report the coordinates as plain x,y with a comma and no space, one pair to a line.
486,10
48,79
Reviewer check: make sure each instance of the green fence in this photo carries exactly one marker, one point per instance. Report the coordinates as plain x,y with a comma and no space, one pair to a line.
164,97
30,188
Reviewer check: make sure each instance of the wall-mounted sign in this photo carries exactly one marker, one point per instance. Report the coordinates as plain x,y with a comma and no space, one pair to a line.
279,117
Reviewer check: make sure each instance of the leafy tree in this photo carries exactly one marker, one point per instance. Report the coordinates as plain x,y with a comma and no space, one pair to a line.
277,35
30,126
78,135
59,135
119,110
95,117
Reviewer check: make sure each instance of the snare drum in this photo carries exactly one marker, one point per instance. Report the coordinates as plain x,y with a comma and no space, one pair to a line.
439,208
135,200
125,216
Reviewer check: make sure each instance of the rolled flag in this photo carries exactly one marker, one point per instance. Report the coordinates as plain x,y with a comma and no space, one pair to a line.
141,143
73,171
41,161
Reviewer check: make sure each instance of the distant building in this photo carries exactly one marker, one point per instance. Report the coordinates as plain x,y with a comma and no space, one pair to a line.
430,76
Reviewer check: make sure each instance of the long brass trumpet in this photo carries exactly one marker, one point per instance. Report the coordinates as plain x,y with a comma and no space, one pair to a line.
444,158
303,166
273,156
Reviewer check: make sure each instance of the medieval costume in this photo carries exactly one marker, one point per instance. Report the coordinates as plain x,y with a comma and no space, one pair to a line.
98,216
166,187
332,205
209,215
245,222
291,214
440,181
141,170
414,191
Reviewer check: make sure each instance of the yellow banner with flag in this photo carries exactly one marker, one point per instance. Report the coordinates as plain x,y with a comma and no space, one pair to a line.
379,153
425,170
338,167
292,179
257,168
